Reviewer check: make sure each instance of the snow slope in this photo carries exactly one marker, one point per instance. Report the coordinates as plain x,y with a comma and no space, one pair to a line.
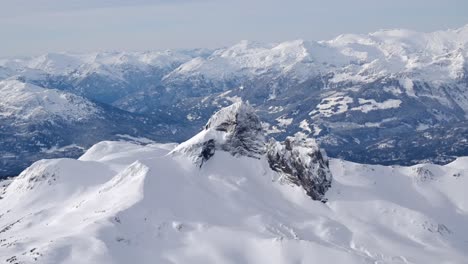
26,101
124,203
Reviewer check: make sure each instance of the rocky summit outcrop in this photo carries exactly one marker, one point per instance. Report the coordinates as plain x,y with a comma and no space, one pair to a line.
236,129
242,128
300,161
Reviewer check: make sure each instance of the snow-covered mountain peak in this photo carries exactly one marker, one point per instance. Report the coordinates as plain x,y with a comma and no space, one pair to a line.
242,48
55,62
112,64
462,32
235,129
229,118
275,55
46,174
430,57
364,57
28,102
249,59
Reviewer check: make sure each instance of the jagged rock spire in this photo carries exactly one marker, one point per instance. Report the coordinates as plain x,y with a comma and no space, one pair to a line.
242,128
300,161
235,129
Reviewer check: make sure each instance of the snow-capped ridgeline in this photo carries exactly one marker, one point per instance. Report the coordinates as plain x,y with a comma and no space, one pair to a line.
436,56
28,102
123,203
111,64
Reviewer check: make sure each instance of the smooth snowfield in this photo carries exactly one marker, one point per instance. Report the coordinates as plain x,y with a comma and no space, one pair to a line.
127,203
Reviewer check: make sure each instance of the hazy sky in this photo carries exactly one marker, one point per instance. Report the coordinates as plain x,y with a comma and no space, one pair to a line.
29,27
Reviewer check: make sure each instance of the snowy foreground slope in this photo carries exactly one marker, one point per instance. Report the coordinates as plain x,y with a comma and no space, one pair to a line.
127,203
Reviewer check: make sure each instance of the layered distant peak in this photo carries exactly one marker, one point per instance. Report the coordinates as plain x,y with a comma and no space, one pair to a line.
423,56
244,47
235,129
55,63
24,101
300,161
109,64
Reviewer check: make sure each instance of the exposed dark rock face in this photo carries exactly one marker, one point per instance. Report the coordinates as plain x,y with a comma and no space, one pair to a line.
242,128
208,150
300,161
235,129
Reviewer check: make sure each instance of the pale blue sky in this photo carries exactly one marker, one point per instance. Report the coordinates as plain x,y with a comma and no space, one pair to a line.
29,27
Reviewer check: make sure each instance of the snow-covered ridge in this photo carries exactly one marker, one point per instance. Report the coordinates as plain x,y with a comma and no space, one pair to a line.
435,56
24,101
432,56
123,202
111,64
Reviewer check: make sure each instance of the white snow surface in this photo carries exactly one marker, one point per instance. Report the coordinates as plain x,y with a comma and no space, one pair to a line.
126,203
333,105
284,122
24,101
367,105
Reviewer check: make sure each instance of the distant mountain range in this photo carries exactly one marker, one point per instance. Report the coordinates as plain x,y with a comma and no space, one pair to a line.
389,97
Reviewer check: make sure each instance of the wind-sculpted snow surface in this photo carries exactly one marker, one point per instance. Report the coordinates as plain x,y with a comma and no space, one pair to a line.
126,203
